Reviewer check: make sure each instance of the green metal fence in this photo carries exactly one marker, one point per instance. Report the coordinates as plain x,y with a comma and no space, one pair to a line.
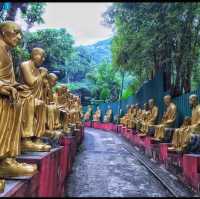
152,89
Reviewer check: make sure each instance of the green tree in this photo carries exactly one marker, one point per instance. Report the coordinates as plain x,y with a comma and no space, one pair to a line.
105,82
157,36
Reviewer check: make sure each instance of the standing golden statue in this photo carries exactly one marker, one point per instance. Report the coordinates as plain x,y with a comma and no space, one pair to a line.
11,107
168,119
52,122
34,77
190,127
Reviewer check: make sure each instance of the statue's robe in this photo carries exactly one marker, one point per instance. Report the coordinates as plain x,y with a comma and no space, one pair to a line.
167,121
150,119
96,116
10,114
182,135
108,116
39,109
131,117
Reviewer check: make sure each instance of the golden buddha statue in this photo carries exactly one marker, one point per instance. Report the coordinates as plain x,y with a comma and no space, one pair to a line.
52,122
191,126
168,119
87,115
34,77
136,116
151,117
179,136
11,106
131,116
97,115
108,115
143,117
124,120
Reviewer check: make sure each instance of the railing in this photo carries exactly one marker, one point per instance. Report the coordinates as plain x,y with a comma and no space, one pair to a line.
152,89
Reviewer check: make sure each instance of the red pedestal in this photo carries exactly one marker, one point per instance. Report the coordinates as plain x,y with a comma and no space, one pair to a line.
26,187
95,125
66,156
174,163
114,128
191,170
163,156
15,188
120,128
49,169
87,124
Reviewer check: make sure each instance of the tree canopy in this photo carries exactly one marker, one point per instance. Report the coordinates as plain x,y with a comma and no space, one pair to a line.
157,36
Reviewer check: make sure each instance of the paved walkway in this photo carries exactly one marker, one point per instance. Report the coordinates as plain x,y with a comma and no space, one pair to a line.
103,168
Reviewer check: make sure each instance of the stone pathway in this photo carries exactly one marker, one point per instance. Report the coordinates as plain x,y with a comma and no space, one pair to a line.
103,168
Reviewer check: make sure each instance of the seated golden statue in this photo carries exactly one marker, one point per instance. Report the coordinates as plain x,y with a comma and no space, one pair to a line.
97,115
180,135
151,117
135,116
87,115
183,135
168,119
131,116
108,115
142,117
34,77
11,107
124,120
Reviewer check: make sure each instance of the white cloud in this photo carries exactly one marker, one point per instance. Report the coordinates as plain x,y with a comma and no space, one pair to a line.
82,20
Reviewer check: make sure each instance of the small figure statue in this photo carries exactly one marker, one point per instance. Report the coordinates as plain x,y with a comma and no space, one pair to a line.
108,115
97,115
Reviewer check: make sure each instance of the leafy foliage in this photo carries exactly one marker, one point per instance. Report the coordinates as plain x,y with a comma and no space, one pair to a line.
157,36
106,82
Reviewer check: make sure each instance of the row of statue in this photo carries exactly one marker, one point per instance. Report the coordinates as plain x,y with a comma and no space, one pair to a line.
96,117
29,108
185,138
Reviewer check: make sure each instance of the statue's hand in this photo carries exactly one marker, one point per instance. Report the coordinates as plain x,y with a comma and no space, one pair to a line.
43,72
39,102
9,91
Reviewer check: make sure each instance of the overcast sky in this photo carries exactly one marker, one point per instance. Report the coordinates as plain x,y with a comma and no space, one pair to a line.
82,20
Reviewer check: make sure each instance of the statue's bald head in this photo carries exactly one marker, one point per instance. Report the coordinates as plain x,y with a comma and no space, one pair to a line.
52,79
167,99
37,51
151,102
9,26
193,100
38,56
52,76
10,33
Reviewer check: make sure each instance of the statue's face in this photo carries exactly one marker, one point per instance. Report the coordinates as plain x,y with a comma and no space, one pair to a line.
38,58
53,81
151,103
12,35
193,100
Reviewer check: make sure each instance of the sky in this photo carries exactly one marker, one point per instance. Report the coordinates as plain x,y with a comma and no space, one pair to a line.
82,20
